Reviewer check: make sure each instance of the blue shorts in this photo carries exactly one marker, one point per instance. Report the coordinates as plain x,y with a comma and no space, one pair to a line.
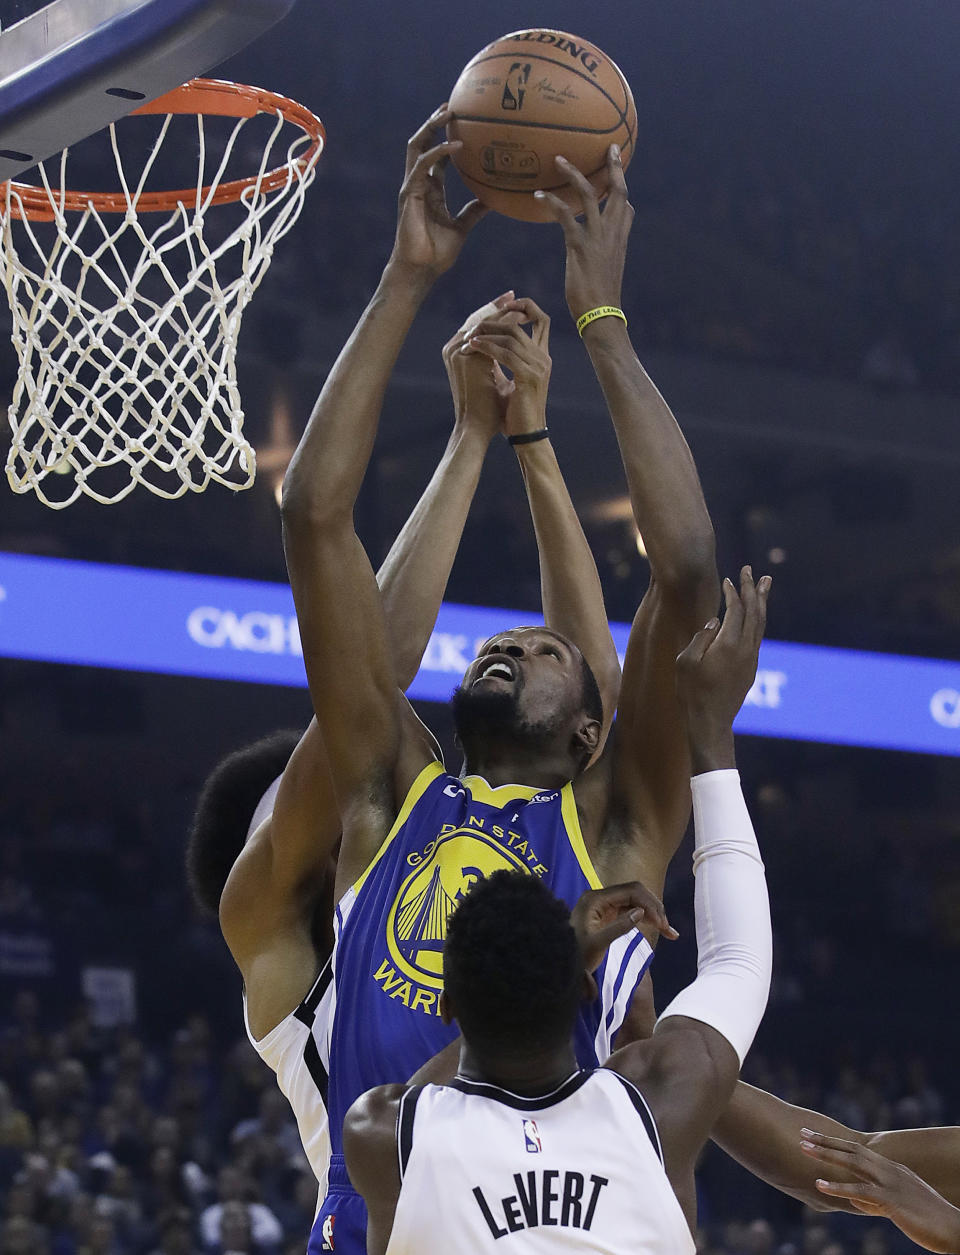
341,1223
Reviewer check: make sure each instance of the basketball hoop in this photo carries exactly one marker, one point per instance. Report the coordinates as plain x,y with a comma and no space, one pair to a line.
127,337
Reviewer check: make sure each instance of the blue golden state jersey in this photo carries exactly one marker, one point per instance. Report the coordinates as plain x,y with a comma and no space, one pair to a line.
382,1021
389,929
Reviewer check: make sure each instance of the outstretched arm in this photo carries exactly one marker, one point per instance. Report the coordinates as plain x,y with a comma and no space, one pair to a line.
371,750
764,1133
569,584
414,575
281,879
687,1070
651,763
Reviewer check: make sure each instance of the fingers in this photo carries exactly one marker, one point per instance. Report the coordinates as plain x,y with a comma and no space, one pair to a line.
847,1156
763,592
601,938
616,182
638,905
490,310
535,315
560,212
470,215
420,173
504,386
500,349
863,1196
836,1158
734,612
695,651
425,138
812,1138
583,187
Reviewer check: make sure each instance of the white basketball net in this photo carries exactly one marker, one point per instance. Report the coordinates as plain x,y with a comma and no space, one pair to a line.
128,369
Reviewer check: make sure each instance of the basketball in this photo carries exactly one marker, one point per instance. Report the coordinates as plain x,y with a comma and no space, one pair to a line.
528,98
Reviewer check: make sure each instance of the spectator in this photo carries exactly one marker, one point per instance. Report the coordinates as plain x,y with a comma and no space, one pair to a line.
16,1127
274,1123
233,1187
235,1236
19,1236
101,1238
175,1228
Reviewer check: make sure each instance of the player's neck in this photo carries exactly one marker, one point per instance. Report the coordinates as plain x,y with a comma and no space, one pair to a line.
528,1075
509,764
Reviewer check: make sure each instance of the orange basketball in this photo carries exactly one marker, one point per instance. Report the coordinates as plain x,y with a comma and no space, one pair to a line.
528,98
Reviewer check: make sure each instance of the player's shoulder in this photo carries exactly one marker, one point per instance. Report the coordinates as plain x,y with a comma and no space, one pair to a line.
370,1135
686,1072
376,1109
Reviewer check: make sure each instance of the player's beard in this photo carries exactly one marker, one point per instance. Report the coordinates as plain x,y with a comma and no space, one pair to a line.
482,714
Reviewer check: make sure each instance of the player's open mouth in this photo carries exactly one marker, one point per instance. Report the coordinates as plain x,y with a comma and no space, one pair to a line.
496,670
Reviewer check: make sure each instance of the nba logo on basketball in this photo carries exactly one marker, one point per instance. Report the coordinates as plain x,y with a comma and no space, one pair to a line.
515,87
327,1232
531,1135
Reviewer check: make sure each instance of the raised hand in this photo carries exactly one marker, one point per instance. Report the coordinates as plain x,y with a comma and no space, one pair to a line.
429,237
717,669
502,340
597,245
603,915
877,1186
480,388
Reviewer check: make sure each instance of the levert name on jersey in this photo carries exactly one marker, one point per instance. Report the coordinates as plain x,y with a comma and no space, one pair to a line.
568,1199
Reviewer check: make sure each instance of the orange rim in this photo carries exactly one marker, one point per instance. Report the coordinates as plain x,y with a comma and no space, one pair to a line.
209,96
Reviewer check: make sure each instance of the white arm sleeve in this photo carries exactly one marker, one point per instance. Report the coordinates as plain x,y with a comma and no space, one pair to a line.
734,942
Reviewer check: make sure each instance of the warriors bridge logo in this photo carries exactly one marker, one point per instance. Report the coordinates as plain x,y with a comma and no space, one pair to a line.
417,923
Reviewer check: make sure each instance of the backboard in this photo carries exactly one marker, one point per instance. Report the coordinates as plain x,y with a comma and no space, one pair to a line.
68,68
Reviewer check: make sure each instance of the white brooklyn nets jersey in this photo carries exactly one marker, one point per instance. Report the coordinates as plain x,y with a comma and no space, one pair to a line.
296,1050
579,1169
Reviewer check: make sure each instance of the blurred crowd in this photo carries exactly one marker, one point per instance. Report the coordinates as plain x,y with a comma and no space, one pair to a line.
110,1145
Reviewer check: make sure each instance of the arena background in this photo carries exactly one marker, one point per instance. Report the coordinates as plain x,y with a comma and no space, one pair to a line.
794,288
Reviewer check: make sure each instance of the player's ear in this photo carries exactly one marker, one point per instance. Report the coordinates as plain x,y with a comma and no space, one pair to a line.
587,736
446,1008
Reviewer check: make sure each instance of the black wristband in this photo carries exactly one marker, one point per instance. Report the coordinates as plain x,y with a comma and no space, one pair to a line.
528,437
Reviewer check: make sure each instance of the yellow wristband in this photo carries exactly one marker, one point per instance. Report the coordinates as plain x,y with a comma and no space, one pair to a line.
602,311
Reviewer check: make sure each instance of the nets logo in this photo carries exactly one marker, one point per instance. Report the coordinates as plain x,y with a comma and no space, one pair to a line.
531,1135
515,88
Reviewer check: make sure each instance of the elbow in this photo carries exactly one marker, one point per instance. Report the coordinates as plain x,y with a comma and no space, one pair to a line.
304,508
690,573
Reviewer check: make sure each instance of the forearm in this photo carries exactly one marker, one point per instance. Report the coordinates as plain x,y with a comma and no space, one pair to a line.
325,473
570,586
732,911
665,490
942,1226
762,1132
710,749
414,575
